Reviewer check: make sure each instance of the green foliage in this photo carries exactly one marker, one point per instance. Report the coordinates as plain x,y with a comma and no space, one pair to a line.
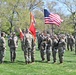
15,14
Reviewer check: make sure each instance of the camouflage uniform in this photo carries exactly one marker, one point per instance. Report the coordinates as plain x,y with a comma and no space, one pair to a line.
61,48
54,48
72,42
2,47
43,49
27,47
48,47
13,44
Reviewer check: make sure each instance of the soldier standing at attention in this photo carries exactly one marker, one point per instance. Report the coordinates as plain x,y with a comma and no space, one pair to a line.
27,46
13,44
43,46
61,48
48,47
72,43
2,47
54,47
43,49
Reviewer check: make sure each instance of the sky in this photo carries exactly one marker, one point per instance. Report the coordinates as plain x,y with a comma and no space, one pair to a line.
60,5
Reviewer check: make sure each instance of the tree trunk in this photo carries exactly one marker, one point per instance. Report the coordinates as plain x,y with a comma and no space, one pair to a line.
11,26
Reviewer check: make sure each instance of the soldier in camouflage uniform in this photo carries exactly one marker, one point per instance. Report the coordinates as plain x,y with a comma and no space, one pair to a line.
48,47
61,48
13,44
2,47
72,42
43,47
54,47
28,39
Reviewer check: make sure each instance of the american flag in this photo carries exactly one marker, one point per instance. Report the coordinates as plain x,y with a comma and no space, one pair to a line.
51,18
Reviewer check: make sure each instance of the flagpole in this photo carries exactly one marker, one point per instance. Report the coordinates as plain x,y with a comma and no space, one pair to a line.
30,18
44,18
44,28
52,29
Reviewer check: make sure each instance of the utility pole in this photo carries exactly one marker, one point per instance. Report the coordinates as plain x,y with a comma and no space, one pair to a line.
52,29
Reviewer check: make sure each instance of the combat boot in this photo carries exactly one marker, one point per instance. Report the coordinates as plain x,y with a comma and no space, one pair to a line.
26,62
61,62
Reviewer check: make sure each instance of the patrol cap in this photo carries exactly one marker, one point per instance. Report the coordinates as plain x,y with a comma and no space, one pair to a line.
26,30
62,36
2,33
54,36
13,33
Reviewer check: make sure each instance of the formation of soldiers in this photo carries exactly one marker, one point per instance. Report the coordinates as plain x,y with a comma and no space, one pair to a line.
48,45
53,44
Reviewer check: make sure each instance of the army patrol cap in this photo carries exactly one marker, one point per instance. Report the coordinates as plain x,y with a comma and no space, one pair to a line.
2,33
13,33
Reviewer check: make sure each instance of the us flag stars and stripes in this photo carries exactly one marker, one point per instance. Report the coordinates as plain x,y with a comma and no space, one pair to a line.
51,18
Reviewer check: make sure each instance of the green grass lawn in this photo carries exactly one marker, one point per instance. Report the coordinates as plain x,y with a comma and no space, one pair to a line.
38,68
